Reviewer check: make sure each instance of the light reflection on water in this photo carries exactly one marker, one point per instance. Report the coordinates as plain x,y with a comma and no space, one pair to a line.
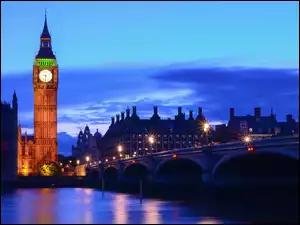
76,205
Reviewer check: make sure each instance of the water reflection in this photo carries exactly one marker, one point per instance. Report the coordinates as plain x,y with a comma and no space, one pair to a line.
151,212
210,221
44,213
28,213
82,206
120,209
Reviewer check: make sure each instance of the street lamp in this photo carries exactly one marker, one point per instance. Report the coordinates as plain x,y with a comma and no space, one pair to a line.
247,139
87,159
151,141
206,128
120,148
78,162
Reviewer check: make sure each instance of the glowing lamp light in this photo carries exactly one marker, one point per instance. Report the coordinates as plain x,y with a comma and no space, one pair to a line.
87,158
120,149
151,139
114,158
174,156
247,139
106,160
206,127
133,161
250,149
99,162
70,161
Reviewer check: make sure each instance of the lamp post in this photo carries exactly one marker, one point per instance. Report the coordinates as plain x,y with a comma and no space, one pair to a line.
247,139
78,162
120,149
151,141
87,159
206,128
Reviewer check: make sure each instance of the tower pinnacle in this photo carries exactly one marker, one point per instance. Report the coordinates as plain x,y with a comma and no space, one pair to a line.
45,33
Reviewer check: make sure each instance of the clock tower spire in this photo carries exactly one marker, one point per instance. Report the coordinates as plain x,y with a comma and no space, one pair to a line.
45,85
45,43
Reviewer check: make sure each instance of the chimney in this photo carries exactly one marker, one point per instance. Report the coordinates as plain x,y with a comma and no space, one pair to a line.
289,117
231,113
127,113
199,111
133,110
122,116
155,110
112,120
257,112
118,118
179,110
191,115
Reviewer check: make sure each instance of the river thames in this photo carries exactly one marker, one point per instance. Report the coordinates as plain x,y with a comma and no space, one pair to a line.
84,205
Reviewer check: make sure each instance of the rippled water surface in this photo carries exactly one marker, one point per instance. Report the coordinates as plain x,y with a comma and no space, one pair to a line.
82,205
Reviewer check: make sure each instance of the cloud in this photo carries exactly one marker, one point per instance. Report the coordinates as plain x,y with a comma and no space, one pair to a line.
91,97
243,88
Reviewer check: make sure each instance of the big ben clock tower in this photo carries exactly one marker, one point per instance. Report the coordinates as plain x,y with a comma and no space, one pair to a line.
45,84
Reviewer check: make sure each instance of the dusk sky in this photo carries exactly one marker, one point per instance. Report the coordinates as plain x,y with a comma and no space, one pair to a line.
112,55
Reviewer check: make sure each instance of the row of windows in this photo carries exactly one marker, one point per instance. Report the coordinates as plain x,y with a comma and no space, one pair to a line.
165,135
161,148
159,142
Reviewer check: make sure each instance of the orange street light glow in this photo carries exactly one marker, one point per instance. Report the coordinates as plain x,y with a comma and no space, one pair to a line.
250,149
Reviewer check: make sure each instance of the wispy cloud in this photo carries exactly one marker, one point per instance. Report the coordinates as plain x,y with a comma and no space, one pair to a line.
93,98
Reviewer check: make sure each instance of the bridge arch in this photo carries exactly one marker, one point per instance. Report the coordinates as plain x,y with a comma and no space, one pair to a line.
264,167
136,171
111,173
179,170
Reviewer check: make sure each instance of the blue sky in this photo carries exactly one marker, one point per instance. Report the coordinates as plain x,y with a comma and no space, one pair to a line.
117,54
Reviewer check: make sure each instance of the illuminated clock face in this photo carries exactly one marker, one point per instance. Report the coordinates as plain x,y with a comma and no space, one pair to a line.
45,76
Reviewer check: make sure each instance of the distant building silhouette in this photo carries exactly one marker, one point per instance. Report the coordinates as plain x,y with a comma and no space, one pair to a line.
9,139
87,145
290,126
133,133
258,125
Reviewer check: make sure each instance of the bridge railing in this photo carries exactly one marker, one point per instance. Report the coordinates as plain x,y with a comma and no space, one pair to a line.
271,141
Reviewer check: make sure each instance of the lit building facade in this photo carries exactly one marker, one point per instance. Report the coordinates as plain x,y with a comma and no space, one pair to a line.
133,133
41,148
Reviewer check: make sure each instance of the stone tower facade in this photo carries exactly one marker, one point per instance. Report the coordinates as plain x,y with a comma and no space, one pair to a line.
42,147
